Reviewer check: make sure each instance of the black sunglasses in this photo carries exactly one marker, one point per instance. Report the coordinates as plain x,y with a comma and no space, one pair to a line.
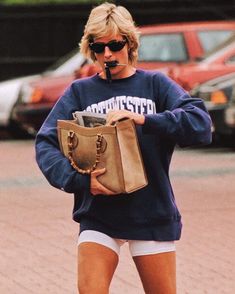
114,46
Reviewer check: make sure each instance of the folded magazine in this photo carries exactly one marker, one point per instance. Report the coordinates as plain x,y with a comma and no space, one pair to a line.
89,119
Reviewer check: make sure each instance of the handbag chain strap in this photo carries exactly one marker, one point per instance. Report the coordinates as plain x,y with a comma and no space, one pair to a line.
71,135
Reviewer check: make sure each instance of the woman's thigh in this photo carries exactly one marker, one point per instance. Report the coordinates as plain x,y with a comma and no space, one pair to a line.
96,266
157,272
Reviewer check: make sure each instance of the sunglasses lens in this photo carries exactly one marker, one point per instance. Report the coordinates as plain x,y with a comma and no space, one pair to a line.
113,46
116,45
97,47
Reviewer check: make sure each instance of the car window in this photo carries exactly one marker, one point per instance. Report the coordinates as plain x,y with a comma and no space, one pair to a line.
211,39
162,47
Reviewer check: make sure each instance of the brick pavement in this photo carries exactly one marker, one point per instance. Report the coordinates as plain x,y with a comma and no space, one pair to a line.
38,237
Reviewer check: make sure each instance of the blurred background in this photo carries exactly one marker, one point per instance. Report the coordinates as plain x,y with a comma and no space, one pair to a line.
193,42
35,33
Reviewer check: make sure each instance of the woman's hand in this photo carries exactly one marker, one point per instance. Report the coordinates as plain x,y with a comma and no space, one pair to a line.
96,187
115,115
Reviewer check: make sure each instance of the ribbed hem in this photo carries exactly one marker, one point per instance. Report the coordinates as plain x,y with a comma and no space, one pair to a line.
165,231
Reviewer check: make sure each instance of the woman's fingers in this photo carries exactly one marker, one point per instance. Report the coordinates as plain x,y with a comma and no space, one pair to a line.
102,190
116,115
96,187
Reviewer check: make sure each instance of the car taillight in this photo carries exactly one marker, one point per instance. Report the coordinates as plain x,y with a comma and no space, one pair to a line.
218,97
36,96
29,94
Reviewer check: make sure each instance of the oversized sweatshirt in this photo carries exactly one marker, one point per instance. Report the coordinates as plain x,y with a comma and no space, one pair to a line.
172,118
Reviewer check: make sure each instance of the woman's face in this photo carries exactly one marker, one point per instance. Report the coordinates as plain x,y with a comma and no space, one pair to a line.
110,54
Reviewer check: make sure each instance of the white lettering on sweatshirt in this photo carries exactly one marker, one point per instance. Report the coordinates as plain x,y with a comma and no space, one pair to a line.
134,104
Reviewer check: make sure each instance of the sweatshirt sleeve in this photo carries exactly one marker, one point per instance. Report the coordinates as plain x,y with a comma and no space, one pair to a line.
53,164
180,117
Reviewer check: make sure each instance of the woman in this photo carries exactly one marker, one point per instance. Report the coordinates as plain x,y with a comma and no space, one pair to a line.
165,115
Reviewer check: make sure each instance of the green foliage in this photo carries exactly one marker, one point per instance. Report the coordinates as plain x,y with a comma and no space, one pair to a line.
29,2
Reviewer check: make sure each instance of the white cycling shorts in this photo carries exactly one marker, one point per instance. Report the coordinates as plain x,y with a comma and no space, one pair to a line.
136,247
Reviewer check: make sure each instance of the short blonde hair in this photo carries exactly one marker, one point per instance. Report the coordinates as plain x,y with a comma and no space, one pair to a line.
108,19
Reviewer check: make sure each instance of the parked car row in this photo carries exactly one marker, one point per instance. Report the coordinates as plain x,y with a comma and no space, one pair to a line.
184,51
219,97
66,67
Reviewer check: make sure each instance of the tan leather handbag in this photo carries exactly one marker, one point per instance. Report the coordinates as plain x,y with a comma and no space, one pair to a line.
114,147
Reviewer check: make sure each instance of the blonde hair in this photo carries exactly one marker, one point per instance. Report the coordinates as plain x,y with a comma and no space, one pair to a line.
108,19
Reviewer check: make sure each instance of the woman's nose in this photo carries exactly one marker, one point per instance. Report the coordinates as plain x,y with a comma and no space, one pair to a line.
107,52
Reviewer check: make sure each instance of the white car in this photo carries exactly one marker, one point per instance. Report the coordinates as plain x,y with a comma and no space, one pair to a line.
9,89
8,94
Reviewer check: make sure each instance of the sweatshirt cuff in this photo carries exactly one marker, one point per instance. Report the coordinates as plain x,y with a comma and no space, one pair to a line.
153,123
77,184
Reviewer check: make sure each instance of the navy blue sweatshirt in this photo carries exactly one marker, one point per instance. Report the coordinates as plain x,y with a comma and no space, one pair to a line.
172,118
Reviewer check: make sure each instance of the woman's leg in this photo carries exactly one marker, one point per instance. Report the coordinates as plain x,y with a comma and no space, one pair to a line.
157,272
96,266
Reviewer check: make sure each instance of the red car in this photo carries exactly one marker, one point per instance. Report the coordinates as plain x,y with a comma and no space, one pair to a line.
179,44
217,63
161,46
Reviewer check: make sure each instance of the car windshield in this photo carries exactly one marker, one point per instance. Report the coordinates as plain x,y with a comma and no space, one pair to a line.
67,64
162,48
